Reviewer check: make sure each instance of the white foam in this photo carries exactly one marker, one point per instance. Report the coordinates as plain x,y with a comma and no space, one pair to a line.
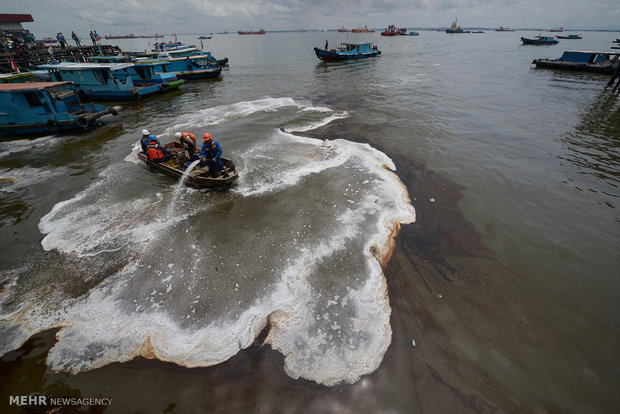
227,113
331,324
320,123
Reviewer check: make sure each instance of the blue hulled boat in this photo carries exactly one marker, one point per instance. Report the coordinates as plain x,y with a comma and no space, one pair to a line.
104,81
539,40
597,62
178,50
144,73
348,51
45,107
189,67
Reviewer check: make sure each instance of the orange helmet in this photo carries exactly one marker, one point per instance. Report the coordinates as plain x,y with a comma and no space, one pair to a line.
206,136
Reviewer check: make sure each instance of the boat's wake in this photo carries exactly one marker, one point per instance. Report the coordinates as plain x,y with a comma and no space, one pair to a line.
296,243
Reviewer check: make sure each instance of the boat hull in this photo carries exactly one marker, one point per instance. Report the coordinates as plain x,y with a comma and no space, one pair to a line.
328,56
537,42
575,66
82,122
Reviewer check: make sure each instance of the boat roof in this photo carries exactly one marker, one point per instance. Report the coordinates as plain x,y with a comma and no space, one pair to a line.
29,86
87,66
593,52
355,43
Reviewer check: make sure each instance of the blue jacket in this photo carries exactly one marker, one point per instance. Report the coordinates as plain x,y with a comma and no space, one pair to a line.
144,142
208,152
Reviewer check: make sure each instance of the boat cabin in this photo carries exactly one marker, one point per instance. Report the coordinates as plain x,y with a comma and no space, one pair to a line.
355,48
588,57
142,73
44,107
100,80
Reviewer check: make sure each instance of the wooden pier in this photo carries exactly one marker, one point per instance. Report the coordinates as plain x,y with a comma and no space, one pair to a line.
28,59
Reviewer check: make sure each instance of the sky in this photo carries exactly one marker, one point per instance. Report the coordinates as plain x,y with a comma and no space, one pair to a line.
211,16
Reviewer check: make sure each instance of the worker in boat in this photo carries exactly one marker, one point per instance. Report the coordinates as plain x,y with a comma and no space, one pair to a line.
144,141
155,152
188,155
188,140
212,156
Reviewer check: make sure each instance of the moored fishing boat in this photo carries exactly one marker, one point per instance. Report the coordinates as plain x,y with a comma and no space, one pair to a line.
45,107
105,81
199,177
189,68
539,40
596,62
348,51
176,50
143,73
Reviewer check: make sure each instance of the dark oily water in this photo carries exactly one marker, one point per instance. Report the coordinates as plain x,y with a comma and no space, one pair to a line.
507,280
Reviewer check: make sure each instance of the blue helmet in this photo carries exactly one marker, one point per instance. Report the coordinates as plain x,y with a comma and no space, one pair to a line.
152,137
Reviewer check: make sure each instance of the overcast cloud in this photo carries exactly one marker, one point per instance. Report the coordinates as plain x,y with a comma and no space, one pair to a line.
205,16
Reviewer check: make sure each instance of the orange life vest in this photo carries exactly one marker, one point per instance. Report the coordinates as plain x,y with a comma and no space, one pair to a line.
190,135
154,154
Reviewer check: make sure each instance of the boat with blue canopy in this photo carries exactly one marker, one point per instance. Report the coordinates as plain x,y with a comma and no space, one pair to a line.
142,74
177,50
189,68
104,81
585,61
539,40
45,107
348,51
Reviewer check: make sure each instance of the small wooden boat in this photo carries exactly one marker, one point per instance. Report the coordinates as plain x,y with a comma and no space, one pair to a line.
348,51
199,177
572,36
539,40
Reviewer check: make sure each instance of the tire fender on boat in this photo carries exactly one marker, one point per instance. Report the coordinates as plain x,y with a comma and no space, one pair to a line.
82,122
112,110
53,125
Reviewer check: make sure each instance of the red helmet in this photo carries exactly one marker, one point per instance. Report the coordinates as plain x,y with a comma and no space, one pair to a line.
206,136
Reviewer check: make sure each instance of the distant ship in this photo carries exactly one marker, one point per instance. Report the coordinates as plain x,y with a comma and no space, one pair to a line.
364,30
343,30
504,29
559,29
261,31
132,36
